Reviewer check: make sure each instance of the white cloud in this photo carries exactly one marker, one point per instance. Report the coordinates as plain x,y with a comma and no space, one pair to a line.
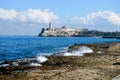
28,16
7,14
96,18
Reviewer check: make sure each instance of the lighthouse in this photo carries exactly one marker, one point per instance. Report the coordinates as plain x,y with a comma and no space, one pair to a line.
50,25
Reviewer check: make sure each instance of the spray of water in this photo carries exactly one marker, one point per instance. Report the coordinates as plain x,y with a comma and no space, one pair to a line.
79,52
41,58
35,64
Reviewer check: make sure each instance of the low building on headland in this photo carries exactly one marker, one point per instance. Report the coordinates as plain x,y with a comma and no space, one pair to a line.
60,32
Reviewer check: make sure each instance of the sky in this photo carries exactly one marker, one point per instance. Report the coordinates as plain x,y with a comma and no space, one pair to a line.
27,17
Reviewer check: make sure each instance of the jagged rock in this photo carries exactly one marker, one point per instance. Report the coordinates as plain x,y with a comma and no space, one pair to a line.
117,63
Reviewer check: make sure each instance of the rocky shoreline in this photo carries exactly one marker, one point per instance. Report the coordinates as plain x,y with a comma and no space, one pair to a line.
102,64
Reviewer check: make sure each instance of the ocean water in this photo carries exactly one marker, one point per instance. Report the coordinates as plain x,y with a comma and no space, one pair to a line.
19,47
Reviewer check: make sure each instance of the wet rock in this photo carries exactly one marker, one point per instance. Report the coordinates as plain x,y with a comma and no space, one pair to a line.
116,78
117,63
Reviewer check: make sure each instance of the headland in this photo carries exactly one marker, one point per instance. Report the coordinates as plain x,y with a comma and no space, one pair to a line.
76,32
60,32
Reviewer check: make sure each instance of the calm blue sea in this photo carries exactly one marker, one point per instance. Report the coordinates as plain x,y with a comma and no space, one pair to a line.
18,47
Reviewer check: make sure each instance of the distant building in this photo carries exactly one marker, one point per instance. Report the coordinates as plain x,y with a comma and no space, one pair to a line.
63,31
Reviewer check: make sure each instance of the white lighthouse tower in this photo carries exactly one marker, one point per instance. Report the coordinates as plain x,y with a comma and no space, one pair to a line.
50,25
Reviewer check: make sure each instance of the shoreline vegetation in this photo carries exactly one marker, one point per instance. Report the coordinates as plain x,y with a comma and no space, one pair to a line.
102,64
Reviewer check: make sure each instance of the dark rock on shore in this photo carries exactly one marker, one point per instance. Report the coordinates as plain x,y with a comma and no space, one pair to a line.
116,63
94,47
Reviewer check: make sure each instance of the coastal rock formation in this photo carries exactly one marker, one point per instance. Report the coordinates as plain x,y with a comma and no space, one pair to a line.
25,62
98,65
80,51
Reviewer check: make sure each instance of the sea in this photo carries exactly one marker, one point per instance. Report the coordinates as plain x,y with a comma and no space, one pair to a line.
20,47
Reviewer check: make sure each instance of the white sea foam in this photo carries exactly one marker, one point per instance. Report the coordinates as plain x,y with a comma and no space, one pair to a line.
72,54
41,58
79,52
35,64
15,64
85,49
4,65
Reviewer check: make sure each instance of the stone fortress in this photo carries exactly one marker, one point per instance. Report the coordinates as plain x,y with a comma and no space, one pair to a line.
60,32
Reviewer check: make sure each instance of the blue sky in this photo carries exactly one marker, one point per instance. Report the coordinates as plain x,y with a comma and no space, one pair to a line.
27,17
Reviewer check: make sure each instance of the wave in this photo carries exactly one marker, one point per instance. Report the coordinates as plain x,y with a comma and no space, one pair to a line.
81,50
35,64
4,65
27,62
40,58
